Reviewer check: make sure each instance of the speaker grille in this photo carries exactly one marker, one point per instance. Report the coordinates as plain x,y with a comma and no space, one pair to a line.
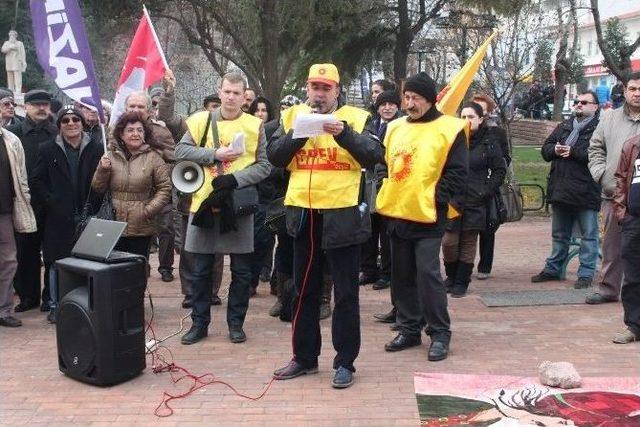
75,333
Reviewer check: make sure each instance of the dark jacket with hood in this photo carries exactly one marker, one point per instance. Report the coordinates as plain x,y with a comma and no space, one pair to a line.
63,200
341,227
570,183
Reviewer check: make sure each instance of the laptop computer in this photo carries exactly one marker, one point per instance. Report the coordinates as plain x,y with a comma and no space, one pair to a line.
98,239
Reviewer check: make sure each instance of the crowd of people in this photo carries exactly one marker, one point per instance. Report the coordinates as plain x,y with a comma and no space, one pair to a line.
315,216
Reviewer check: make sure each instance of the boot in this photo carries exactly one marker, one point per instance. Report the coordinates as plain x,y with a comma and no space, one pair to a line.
325,299
450,270
281,278
463,277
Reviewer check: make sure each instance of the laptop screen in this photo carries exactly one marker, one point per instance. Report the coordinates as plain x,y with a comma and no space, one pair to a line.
98,239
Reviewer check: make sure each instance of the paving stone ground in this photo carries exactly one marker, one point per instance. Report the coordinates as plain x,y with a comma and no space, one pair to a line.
510,341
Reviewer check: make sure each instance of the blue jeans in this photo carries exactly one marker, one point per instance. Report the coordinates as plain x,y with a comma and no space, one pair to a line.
202,285
562,222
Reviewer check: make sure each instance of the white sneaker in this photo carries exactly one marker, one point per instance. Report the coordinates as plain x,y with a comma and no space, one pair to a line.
482,276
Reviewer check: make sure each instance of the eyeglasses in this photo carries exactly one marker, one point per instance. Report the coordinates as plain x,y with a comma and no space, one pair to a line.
582,102
9,104
67,120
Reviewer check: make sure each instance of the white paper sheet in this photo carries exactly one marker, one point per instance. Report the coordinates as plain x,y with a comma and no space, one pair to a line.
237,144
308,125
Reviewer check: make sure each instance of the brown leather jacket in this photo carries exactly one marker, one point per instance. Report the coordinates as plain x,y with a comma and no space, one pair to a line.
624,175
140,187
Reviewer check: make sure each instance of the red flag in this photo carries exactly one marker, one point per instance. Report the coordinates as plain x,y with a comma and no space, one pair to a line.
145,65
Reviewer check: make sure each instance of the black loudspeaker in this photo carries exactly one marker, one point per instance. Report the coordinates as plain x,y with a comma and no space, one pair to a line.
100,320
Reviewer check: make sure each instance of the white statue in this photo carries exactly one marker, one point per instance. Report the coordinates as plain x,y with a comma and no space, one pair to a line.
15,60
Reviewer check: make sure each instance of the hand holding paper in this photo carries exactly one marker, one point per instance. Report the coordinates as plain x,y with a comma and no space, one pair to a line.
237,144
309,125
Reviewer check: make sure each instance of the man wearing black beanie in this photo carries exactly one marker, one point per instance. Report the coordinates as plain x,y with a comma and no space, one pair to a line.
426,156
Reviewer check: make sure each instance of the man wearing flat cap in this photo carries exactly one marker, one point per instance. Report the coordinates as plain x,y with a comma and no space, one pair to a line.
328,216
426,157
34,131
62,180
7,109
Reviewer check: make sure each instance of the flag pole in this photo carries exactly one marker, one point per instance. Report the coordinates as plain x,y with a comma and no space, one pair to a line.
104,138
155,37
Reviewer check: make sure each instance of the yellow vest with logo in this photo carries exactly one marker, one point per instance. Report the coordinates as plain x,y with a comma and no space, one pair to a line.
416,154
323,174
227,129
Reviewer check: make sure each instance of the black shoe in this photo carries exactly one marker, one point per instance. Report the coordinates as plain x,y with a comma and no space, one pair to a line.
25,305
381,284
236,334
265,275
343,378
543,276
401,342
389,317
463,277
167,276
44,307
195,334
293,369
438,351
366,280
10,322
186,302
52,316
582,283
597,298
215,300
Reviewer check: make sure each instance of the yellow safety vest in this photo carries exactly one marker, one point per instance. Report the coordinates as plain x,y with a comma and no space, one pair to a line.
323,174
415,155
227,129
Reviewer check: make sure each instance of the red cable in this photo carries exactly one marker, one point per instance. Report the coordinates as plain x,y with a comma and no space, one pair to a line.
305,280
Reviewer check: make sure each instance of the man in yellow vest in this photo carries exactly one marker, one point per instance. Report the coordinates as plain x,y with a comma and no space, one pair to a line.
426,157
328,218
214,227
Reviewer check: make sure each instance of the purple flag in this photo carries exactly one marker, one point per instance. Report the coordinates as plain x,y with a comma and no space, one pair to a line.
63,50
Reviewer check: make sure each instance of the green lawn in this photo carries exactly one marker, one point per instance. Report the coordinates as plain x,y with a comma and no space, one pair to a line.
529,166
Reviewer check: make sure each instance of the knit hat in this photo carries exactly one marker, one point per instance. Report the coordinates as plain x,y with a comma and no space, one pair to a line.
69,109
156,91
387,96
423,85
37,95
5,93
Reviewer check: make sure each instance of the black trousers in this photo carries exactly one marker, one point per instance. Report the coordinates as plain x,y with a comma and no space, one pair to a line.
418,290
28,282
631,266
262,245
377,243
166,239
487,246
284,254
345,325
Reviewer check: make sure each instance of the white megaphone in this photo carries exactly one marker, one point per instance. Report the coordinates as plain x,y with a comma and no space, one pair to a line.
187,177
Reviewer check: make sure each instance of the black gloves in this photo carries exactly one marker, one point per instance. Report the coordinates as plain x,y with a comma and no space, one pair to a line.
224,182
221,198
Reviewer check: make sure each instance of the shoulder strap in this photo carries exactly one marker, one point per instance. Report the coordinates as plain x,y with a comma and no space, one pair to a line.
213,119
203,139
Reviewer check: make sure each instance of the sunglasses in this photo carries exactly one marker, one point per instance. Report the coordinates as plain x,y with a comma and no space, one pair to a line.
67,120
576,102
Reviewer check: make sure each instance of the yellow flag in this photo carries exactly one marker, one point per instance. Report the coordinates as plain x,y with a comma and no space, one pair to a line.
450,98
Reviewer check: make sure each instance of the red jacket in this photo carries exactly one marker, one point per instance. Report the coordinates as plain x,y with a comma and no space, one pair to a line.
624,175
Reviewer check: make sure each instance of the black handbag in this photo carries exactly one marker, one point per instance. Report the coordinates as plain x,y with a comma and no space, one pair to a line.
511,197
106,211
245,199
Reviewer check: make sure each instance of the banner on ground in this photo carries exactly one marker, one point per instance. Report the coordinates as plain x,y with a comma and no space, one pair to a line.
63,50
450,98
145,65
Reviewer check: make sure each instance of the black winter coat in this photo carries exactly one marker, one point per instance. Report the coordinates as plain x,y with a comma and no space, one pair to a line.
487,170
33,136
570,182
340,227
52,184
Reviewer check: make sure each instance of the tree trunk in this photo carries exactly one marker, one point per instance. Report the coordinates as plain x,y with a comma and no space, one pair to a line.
561,73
